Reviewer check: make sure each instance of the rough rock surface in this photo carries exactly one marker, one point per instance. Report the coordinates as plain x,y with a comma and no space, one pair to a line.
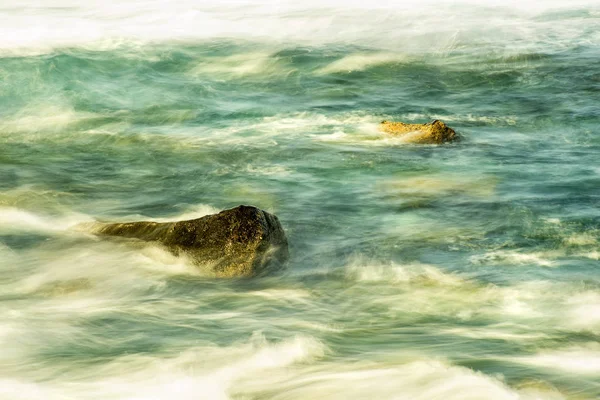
240,242
435,132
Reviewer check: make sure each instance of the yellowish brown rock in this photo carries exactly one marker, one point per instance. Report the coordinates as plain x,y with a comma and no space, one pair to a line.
435,132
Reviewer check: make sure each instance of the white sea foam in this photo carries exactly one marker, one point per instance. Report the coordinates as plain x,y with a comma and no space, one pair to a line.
428,291
16,220
240,65
306,122
514,258
287,368
46,118
360,62
17,389
416,290
268,170
425,379
353,128
194,212
6,252
113,271
574,360
365,135
584,311
484,119
592,255
210,371
582,239
315,326
497,332
553,221
283,295
362,269
337,136
434,25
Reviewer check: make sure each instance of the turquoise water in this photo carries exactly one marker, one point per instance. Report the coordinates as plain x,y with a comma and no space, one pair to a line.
463,271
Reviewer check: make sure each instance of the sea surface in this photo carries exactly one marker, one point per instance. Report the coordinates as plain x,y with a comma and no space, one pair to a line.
462,271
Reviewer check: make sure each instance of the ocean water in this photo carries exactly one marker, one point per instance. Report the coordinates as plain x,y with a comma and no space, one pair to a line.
463,271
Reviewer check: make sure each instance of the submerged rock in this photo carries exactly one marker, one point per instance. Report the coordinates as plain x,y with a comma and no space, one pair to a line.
435,132
240,242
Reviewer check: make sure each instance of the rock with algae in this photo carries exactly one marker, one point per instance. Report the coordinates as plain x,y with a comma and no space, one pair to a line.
435,132
240,242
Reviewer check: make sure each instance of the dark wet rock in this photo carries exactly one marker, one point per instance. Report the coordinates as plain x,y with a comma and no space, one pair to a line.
435,132
240,242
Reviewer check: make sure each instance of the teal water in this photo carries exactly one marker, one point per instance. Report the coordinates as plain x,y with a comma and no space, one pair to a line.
463,271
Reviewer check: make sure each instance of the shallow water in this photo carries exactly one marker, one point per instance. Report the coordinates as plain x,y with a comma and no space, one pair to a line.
463,271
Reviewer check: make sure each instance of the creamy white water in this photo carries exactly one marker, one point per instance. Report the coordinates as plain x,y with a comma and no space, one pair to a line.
462,271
